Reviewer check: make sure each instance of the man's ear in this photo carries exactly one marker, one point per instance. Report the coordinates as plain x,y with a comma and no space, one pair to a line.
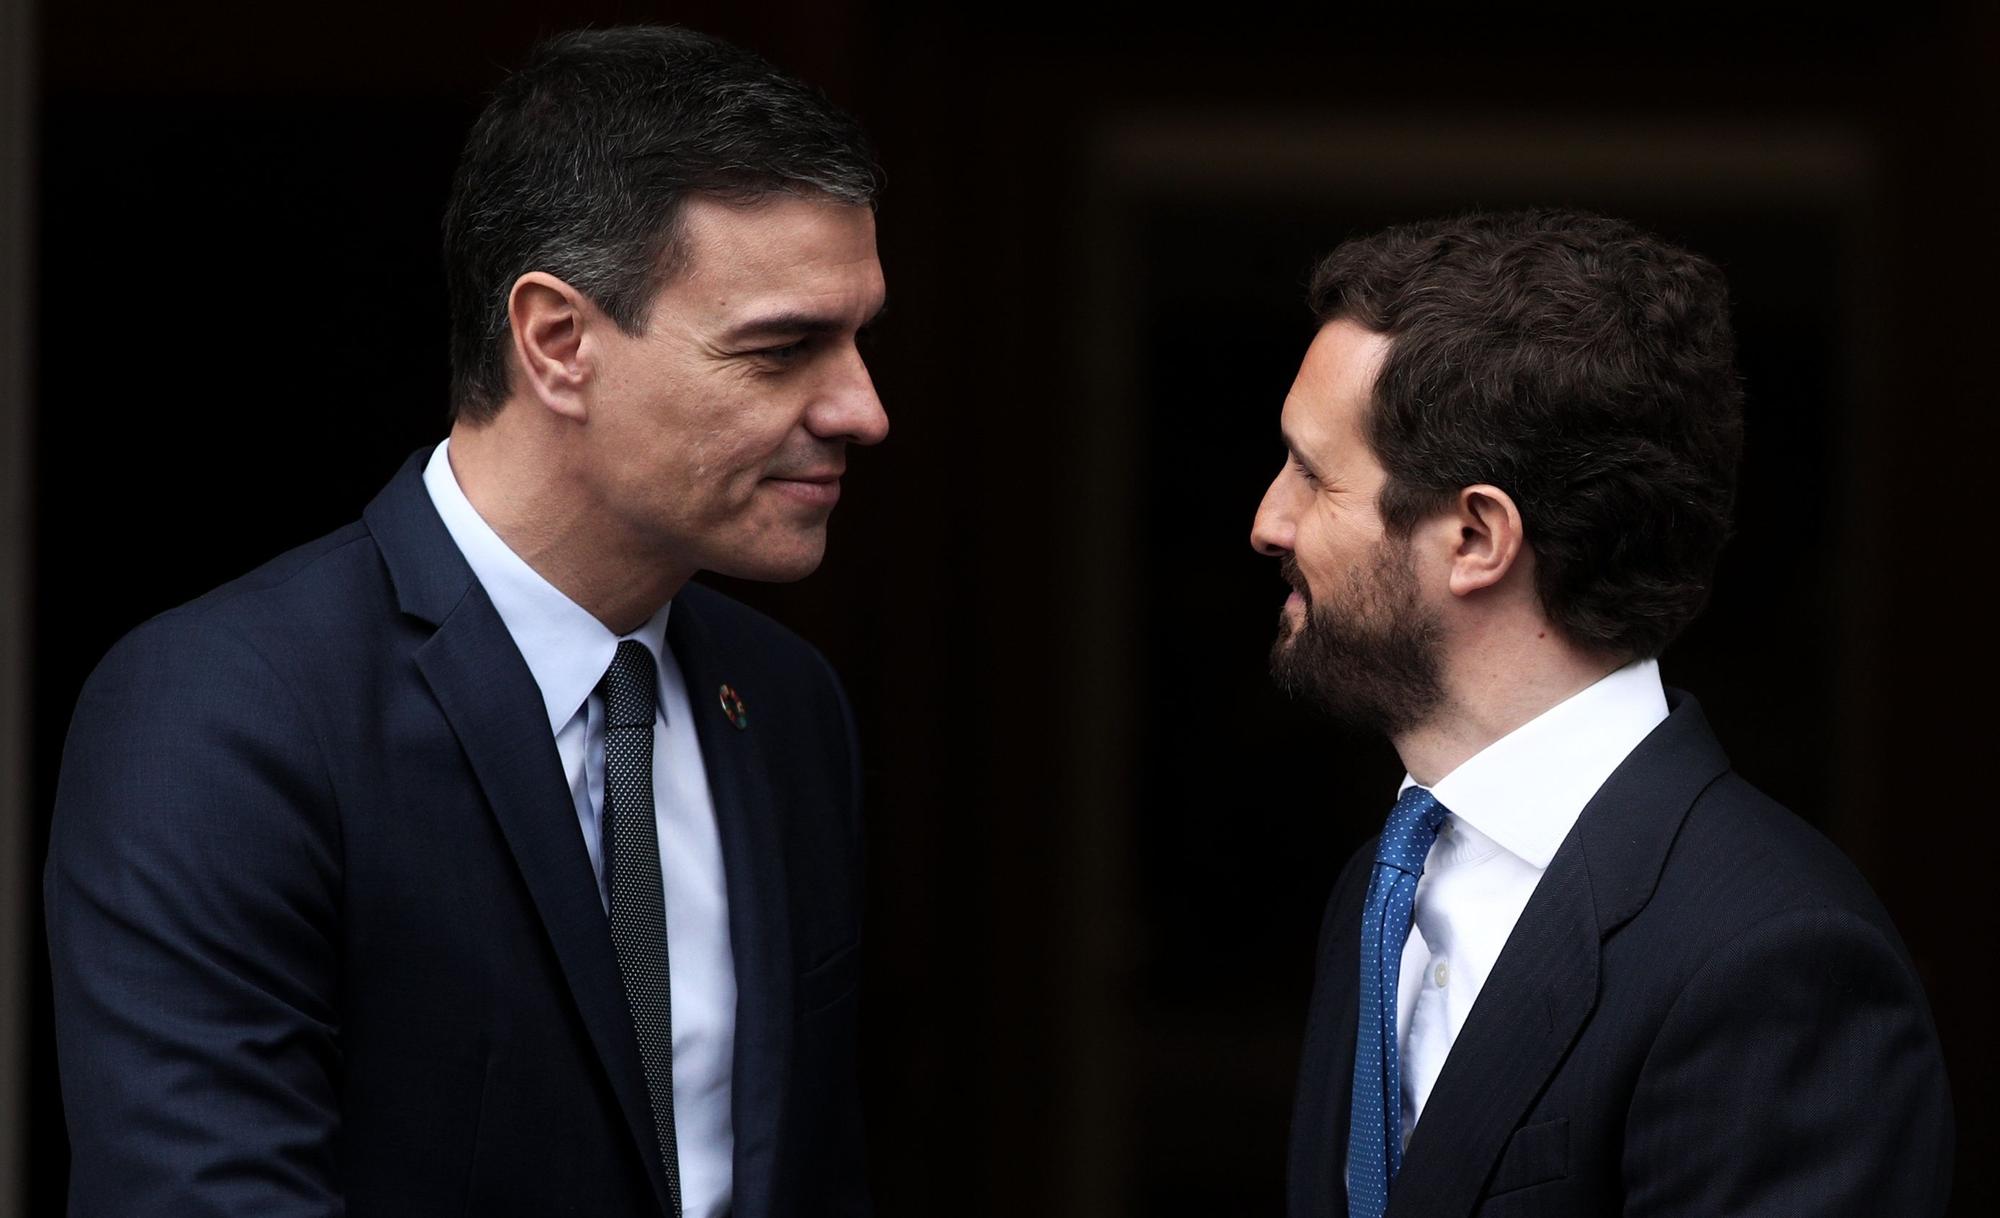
550,321
1490,538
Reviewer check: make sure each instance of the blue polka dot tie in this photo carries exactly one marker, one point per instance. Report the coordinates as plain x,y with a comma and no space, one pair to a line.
1375,1125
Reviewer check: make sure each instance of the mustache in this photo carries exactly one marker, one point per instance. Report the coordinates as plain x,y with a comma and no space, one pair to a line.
1288,570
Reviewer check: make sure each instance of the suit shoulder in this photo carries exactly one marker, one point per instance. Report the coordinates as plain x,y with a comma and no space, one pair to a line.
323,567
191,701
272,611
1756,857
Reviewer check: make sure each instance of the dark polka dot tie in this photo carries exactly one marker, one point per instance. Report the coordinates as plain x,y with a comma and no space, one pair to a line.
638,909
1375,1125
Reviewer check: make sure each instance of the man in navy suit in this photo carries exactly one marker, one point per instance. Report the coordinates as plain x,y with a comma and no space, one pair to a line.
471,860
1586,969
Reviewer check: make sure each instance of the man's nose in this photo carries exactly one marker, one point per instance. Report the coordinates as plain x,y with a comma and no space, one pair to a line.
1272,530
850,410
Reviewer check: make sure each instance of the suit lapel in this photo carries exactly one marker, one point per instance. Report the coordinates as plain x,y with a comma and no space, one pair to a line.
1542,989
753,860
1316,1179
490,699
1544,986
1345,1030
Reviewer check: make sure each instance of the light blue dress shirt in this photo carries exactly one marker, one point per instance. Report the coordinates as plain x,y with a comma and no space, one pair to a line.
568,650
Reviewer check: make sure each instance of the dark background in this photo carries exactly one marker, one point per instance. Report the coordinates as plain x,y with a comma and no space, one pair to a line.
1099,839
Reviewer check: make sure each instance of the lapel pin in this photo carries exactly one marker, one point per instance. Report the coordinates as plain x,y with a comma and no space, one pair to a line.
733,708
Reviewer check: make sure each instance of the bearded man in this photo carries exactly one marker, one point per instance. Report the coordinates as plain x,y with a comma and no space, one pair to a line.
1586,968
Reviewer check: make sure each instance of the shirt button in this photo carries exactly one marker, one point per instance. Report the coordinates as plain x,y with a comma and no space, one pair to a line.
1441,974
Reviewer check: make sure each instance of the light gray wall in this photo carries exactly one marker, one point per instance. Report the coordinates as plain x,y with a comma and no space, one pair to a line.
17,96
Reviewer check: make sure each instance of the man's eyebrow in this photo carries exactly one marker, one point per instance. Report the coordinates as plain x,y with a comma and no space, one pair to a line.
795,324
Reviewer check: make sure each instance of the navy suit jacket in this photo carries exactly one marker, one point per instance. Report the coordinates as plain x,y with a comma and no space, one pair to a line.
326,939
1702,1011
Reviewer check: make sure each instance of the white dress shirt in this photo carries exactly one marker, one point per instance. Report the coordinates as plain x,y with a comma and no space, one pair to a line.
1512,803
568,651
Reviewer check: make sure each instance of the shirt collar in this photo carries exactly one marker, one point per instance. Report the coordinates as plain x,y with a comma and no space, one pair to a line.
566,648
1525,790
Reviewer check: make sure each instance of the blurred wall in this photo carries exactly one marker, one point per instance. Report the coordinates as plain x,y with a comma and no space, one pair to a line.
1098,840
17,98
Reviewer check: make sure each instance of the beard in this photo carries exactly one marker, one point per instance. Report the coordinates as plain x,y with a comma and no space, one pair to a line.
1371,657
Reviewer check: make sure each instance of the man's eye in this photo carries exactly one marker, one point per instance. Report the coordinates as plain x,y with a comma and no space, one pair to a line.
784,354
1304,472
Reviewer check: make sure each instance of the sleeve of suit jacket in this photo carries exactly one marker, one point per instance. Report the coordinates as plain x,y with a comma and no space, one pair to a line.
192,890
1796,1073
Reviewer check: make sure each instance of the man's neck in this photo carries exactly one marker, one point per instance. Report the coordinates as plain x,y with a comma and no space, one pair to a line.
523,488
1493,689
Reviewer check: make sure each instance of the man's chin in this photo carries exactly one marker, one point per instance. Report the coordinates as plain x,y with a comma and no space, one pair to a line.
774,564
1287,669
1385,682
1335,698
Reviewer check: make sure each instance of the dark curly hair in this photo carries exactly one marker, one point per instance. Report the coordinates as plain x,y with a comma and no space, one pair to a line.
1581,365
580,162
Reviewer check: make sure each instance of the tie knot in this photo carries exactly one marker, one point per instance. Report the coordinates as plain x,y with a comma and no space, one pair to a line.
628,687
1413,826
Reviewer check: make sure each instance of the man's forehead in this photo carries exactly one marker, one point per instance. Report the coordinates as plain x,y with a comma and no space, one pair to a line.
775,230
1344,359
810,262
1330,395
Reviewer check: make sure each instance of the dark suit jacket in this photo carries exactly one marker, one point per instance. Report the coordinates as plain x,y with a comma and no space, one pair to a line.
326,939
1702,1011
